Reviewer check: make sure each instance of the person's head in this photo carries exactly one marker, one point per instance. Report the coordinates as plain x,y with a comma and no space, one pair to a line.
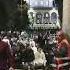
39,49
60,36
27,45
37,45
31,45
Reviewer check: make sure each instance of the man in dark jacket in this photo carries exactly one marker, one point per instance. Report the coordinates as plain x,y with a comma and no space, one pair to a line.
28,56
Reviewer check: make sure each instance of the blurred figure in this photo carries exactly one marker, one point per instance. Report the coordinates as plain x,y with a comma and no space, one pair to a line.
62,50
63,42
24,34
6,58
33,46
40,59
28,57
32,42
13,43
5,39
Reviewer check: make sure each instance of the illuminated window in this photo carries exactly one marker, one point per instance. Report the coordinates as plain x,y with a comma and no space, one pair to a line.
46,3
38,18
41,3
54,17
46,17
50,3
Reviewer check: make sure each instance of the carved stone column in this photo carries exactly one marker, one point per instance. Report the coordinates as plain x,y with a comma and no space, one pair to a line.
66,17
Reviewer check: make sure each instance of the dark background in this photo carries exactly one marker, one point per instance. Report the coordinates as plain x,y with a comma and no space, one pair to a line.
11,19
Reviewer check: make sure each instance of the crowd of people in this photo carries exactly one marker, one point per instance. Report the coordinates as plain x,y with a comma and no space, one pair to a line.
18,50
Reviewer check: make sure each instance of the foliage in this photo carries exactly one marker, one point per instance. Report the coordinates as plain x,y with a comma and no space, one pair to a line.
10,16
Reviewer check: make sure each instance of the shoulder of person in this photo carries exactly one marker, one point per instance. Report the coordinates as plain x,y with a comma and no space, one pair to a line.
66,42
4,43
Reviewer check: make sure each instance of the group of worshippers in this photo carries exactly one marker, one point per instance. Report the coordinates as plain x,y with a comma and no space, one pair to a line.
32,54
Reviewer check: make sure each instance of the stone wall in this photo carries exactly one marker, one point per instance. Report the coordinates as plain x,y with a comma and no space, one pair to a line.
66,17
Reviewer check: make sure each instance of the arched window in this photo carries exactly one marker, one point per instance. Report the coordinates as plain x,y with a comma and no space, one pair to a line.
54,17
38,18
46,17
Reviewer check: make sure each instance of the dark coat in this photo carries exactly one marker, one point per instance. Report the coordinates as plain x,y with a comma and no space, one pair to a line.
28,55
6,58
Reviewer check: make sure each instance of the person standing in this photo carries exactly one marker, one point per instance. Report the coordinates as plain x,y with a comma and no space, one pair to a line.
6,58
40,58
62,51
27,57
